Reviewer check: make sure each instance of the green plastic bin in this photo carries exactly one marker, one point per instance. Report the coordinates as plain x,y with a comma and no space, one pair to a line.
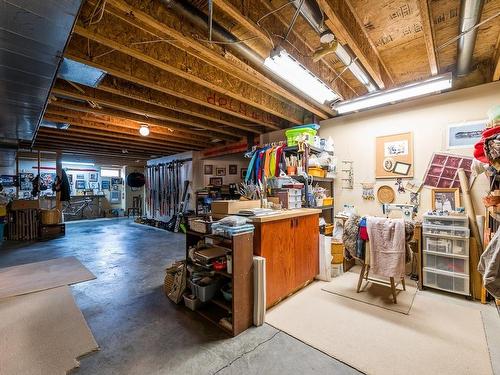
293,135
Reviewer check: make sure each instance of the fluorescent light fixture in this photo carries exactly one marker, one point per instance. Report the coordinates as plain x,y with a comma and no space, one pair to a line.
144,130
78,72
54,125
434,84
78,163
344,55
285,66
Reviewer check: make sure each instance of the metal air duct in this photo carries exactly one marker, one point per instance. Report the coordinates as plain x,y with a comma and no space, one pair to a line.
470,14
313,14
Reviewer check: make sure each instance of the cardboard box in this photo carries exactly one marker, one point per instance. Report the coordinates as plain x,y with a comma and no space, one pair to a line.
233,207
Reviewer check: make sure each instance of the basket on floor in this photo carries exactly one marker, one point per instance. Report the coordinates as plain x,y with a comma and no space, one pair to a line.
175,281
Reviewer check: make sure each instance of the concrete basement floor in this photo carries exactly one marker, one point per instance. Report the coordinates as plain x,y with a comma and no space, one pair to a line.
138,329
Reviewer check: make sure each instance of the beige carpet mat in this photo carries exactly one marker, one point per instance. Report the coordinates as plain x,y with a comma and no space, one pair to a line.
371,293
438,337
33,277
42,333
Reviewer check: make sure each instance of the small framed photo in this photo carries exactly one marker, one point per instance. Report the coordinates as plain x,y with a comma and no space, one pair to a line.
401,168
93,176
94,185
80,177
116,181
243,173
445,199
105,184
220,171
208,169
233,169
216,181
80,184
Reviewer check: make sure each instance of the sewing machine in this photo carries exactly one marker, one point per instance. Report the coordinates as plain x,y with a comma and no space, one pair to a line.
406,209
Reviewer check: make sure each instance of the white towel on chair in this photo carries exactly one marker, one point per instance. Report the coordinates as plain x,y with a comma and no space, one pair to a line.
387,246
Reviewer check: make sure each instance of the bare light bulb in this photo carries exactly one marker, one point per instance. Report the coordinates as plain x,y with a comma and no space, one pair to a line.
144,130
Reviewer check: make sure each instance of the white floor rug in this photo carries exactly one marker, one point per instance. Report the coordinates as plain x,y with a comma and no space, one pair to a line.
371,293
438,337
42,333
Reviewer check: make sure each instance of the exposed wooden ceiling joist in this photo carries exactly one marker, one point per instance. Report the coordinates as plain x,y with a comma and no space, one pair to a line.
99,124
183,70
169,28
118,133
136,71
141,108
343,22
181,133
425,15
123,125
75,135
130,90
496,62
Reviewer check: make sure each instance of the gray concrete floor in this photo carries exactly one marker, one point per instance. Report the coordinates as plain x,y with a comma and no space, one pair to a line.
141,332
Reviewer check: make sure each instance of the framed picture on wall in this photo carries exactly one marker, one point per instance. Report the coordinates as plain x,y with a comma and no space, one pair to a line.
465,134
80,184
208,169
392,150
70,178
216,181
94,185
233,169
105,184
445,199
116,181
93,176
80,177
220,171
243,173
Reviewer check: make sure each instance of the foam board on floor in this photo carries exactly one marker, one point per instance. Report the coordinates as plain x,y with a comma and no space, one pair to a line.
42,333
33,277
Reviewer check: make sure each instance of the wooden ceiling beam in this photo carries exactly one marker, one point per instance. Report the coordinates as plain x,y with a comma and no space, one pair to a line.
98,124
85,144
104,130
117,86
142,108
184,70
425,15
167,27
107,122
135,71
496,61
138,118
123,125
75,135
344,24
56,145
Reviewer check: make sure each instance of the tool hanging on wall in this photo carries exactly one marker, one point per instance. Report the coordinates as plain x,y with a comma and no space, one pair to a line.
348,174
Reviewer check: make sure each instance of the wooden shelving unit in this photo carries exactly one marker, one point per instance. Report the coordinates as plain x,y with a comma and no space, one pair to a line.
240,309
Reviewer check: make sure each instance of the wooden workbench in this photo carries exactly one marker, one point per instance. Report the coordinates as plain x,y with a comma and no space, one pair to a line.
289,241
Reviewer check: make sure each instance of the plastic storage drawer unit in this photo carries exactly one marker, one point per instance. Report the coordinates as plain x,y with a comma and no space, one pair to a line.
446,245
443,230
447,281
449,221
447,263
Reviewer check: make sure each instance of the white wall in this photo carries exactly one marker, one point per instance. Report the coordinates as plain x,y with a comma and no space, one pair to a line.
428,118
237,160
